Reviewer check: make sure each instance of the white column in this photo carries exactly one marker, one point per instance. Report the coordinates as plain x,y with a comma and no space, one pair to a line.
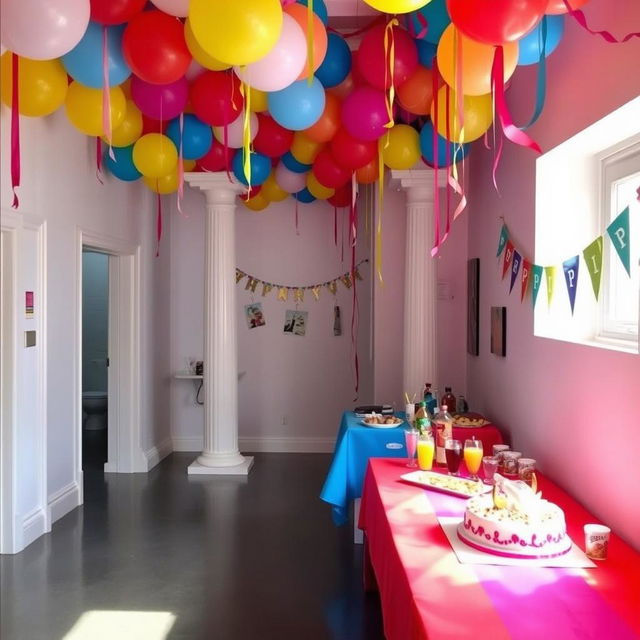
420,352
220,454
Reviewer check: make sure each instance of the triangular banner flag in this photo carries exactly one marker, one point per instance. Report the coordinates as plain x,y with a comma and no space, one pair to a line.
550,273
536,270
526,270
515,268
570,268
504,236
316,291
506,261
266,287
298,295
618,231
593,259
283,293
239,275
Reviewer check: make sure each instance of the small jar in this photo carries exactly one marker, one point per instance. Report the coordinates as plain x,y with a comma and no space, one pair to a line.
498,451
510,462
526,468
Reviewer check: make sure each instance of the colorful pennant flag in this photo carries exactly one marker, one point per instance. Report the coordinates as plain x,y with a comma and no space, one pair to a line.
618,231
526,270
239,275
283,293
506,261
593,259
266,288
550,273
504,236
515,268
570,268
537,281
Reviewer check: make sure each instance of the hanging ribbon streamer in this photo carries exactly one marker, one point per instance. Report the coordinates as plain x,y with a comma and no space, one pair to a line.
389,67
379,212
541,84
310,42
354,305
15,130
246,133
335,226
180,166
580,18
447,155
411,28
296,217
435,81
99,160
158,221
106,92
354,197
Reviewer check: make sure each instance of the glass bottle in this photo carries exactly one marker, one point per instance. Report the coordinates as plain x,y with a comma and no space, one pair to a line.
442,429
462,406
429,398
449,399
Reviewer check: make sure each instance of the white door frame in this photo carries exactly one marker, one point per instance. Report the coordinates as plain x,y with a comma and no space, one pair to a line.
125,454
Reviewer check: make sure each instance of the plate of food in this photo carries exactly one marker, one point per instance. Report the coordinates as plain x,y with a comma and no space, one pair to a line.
469,420
453,485
378,421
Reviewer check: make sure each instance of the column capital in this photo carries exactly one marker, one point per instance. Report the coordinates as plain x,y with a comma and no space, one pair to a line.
418,183
217,187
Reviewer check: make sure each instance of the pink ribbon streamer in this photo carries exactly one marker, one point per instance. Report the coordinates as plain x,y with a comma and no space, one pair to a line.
335,225
99,160
15,130
424,25
106,93
297,228
180,167
581,19
435,78
158,221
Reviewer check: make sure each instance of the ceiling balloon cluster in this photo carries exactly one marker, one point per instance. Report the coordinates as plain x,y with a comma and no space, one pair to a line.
266,90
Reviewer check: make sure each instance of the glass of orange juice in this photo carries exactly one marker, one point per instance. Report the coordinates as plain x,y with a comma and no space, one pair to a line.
473,456
426,449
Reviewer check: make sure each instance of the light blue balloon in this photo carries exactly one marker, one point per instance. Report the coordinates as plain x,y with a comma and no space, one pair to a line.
437,18
299,105
319,8
84,62
197,137
337,62
426,147
426,52
122,167
531,45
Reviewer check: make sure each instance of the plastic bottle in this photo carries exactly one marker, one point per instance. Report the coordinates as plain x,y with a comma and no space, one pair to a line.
421,414
442,429
462,406
449,399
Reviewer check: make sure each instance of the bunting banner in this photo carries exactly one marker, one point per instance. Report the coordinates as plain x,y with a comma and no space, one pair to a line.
593,258
618,231
537,281
550,276
515,268
506,260
526,270
502,241
570,268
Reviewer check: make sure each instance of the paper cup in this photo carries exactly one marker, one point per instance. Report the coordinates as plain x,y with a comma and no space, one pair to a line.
410,411
596,541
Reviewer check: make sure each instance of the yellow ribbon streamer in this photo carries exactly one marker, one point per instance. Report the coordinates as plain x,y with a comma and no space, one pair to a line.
389,64
310,42
246,132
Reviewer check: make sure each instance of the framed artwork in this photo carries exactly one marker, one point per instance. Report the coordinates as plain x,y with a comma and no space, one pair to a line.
295,322
255,317
499,331
473,306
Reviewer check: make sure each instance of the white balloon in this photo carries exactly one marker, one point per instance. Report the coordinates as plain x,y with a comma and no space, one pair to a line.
290,181
179,8
235,131
194,70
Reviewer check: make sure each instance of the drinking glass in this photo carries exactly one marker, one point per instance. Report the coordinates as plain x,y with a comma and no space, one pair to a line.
426,449
489,466
473,456
452,452
411,440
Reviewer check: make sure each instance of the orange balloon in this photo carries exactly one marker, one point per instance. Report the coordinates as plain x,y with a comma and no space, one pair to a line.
342,90
368,173
299,13
329,122
477,60
415,94
303,149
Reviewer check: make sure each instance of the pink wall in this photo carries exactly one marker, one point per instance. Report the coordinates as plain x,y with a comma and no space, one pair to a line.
573,408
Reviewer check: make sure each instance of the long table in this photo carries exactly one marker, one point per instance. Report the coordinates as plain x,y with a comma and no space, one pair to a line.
426,593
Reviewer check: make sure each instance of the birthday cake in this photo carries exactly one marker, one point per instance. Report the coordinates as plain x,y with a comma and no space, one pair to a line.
514,521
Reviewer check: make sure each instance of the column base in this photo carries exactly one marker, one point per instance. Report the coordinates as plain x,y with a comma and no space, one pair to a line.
242,469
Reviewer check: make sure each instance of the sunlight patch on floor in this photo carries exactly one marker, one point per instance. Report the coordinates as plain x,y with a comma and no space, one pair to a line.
123,625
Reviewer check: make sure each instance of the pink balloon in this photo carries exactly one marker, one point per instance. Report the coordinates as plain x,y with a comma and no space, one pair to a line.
364,113
43,29
235,131
160,101
290,181
194,70
179,8
283,64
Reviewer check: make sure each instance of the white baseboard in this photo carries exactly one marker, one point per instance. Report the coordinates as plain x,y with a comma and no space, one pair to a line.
63,501
265,444
34,525
157,453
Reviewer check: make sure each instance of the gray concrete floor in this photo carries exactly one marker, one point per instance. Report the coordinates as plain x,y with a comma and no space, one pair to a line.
231,558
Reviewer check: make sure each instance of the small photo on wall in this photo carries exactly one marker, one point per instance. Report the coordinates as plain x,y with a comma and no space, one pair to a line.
254,315
295,322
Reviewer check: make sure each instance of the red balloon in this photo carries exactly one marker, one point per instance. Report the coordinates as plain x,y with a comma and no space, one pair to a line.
115,11
217,158
151,125
350,153
342,196
358,79
371,61
154,47
272,139
216,97
496,21
328,172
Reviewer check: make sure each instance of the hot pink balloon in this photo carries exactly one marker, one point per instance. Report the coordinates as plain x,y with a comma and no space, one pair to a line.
179,8
290,181
364,113
283,64
160,101
43,29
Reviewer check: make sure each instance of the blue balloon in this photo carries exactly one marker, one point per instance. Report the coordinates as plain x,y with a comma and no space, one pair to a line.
260,167
197,137
289,161
426,147
84,62
437,19
531,45
122,167
337,62
299,105
319,8
426,52
304,196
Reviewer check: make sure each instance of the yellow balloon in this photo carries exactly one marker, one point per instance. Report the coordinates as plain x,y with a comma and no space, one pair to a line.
42,84
169,183
155,155
477,116
257,203
396,6
316,189
129,130
476,63
84,108
199,54
236,32
272,190
401,149
303,149
259,100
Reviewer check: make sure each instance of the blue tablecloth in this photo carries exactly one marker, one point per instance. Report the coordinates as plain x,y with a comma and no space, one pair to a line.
355,444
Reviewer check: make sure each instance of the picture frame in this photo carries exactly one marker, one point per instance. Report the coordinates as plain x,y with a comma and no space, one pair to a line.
499,331
473,306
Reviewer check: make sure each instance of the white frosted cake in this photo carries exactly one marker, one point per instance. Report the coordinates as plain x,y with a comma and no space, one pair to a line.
514,521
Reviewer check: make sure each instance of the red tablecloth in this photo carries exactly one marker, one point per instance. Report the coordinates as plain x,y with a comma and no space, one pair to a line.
426,593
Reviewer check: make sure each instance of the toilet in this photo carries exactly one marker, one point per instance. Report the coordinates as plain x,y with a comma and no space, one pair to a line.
94,410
